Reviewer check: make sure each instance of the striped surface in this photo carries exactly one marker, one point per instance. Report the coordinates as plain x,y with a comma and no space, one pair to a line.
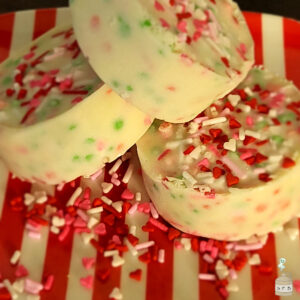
278,47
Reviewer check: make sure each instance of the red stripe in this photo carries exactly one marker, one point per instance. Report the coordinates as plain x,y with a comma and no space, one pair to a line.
263,286
6,28
45,19
11,226
160,276
292,48
207,289
254,21
58,254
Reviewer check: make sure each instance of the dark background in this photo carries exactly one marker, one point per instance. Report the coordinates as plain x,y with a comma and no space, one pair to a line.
288,8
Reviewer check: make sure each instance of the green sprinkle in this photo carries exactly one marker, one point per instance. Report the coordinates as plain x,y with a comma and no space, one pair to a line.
15,103
111,148
78,62
118,125
276,223
54,102
173,196
155,187
196,211
289,116
161,52
129,88
144,75
261,125
89,157
89,88
115,83
72,126
277,139
7,80
90,140
124,28
156,150
146,23
76,158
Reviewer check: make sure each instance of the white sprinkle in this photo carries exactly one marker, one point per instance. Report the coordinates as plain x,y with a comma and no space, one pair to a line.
214,121
28,199
118,206
145,245
116,294
234,99
186,244
242,134
196,152
205,276
220,265
106,200
41,199
110,253
254,134
254,260
95,210
173,145
230,145
10,289
222,273
115,167
138,196
58,222
132,249
128,174
117,261
233,274
92,222
292,230
75,195
245,108
161,256
208,258
18,286
189,177
132,229
54,230
34,235
133,209
273,113
106,187
87,237
15,257
115,181
232,287
275,158
248,247
248,91
60,187
258,171
154,212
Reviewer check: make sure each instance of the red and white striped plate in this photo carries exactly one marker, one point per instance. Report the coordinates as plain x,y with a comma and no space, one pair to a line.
278,47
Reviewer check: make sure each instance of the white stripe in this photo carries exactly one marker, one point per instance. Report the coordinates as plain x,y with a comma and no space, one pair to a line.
245,285
273,45
79,250
185,275
3,182
33,251
63,16
23,30
132,289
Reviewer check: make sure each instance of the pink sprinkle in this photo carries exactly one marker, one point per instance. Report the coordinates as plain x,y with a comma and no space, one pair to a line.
161,256
208,277
249,247
236,136
204,162
66,84
158,224
297,285
85,204
208,258
79,223
164,23
234,168
147,121
116,239
158,6
133,209
224,292
258,171
46,79
32,287
181,26
127,195
214,252
115,181
77,201
87,282
242,50
69,219
88,262
233,274
95,22
178,245
230,246
35,102
29,55
154,212
145,245
31,225
64,233
144,207
100,145
246,155
186,60
277,100
34,235
82,230
202,246
209,245
249,121
21,271
49,283
214,150
82,215
100,229
97,174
